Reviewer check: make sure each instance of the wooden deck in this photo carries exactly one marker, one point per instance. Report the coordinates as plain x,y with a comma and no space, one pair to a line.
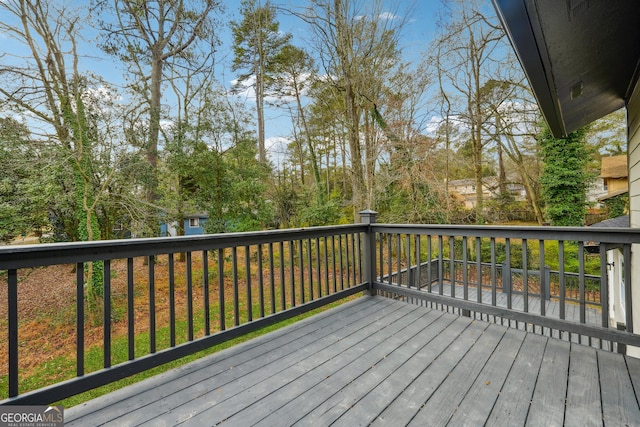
384,362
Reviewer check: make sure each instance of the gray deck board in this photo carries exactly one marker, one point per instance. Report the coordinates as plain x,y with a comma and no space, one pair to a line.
439,408
366,352
486,387
366,407
377,361
548,403
583,390
358,380
214,407
619,404
512,405
136,397
415,390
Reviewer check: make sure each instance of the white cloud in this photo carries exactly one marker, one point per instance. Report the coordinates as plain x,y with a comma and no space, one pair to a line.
246,90
388,15
277,149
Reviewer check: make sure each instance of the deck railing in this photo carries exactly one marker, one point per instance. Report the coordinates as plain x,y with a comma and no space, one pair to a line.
172,296
494,271
165,298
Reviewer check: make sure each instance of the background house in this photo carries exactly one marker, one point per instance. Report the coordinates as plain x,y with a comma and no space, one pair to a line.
464,190
193,225
615,176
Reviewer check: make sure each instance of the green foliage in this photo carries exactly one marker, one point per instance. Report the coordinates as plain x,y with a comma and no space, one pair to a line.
515,251
257,39
565,178
319,213
415,203
571,258
617,205
23,205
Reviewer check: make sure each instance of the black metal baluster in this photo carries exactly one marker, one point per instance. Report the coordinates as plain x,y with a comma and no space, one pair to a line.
205,288
189,268
247,267
507,273
152,304
493,272
131,315
562,282
465,272
543,281
106,298
292,274
221,289
260,280
326,266
272,279
172,301
525,275
12,297
583,314
604,286
301,261
80,319
628,297
479,267
452,266
310,268
236,291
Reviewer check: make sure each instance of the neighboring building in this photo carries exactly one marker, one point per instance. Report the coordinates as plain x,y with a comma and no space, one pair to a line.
596,192
615,176
193,225
464,190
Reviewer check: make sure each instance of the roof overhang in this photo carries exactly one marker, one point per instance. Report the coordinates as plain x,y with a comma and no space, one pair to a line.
581,56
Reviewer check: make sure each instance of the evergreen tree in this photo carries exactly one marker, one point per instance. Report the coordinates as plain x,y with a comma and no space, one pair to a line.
257,43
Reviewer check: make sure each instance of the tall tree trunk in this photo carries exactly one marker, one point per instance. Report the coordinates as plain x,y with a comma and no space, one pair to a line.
153,137
262,152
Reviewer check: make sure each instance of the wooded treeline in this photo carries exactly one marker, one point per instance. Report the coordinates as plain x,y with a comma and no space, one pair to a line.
152,135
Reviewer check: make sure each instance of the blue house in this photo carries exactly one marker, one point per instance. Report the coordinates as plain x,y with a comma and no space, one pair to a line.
193,225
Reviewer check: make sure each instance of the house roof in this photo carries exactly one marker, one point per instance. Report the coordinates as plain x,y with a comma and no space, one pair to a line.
581,56
621,221
612,194
614,167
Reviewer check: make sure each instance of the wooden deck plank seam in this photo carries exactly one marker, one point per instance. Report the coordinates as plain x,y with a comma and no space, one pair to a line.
225,355
300,369
309,371
240,384
364,363
355,402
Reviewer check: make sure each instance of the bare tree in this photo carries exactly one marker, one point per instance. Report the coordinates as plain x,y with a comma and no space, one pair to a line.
63,105
357,44
469,55
150,36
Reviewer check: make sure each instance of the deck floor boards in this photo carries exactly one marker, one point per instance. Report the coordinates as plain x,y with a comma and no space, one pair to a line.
384,362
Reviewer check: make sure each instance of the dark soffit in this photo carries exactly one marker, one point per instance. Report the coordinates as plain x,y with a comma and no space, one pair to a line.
580,56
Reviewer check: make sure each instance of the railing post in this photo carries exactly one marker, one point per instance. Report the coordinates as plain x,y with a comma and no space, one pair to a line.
368,217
